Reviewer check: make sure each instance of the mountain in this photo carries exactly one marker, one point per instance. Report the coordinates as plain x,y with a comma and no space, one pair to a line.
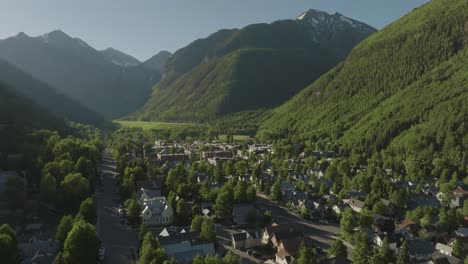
259,66
16,108
119,58
41,95
79,71
157,63
400,93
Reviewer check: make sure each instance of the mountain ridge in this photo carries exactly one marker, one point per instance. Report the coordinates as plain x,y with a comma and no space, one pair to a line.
218,67
81,72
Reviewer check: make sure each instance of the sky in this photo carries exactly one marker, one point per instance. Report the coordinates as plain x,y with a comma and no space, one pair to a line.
142,28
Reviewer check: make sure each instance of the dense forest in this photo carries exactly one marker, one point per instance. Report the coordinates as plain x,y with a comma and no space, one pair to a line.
400,95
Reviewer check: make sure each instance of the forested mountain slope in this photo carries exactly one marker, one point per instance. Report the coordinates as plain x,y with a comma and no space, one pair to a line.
402,91
41,94
259,66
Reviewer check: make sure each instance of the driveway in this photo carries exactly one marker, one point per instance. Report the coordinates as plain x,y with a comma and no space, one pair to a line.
119,240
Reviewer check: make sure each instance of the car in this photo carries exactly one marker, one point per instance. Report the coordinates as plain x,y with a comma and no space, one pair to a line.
102,253
324,222
253,253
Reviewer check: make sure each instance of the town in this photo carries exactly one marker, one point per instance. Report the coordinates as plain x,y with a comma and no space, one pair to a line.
184,202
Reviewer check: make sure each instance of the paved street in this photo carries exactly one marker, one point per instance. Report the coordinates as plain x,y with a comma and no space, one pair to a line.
118,239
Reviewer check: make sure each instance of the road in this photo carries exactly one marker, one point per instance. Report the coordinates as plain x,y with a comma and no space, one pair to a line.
119,239
323,235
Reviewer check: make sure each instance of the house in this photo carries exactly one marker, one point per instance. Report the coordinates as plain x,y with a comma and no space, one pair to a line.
440,258
408,228
394,240
355,204
459,196
172,157
219,160
184,248
287,188
242,213
216,154
339,208
381,223
146,194
157,211
277,232
444,249
38,250
433,232
288,250
246,239
419,250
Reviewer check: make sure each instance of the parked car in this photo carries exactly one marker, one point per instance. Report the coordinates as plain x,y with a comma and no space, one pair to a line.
253,253
324,222
102,253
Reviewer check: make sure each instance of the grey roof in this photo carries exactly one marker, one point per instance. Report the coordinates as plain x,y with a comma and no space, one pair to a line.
239,236
419,246
177,238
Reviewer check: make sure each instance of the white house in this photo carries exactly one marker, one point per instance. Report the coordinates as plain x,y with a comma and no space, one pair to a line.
157,211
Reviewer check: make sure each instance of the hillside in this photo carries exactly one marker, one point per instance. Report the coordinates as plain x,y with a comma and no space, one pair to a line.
44,96
402,91
18,109
158,62
259,66
77,70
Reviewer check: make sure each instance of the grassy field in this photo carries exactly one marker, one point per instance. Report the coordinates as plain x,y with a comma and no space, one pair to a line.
236,137
151,125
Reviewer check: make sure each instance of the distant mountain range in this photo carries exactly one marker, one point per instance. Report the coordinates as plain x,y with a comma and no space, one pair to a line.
119,58
109,82
259,66
35,94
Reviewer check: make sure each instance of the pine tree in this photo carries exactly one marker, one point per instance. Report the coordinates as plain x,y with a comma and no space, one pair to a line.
403,257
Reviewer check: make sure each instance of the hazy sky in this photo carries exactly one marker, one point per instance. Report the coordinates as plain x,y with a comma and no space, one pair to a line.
144,27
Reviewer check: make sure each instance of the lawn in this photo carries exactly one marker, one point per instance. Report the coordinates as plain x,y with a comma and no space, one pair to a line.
236,137
151,125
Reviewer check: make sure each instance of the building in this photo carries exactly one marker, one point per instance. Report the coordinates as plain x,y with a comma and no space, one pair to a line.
246,239
157,211
355,204
183,247
275,233
216,154
173,157
146,194
459,197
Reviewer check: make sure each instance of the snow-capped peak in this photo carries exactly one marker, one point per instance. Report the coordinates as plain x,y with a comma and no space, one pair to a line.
312,13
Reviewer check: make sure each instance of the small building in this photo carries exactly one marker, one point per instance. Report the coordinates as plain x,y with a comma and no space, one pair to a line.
173,157
157,211
419,250
183,247
246,239
277,232
355,204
